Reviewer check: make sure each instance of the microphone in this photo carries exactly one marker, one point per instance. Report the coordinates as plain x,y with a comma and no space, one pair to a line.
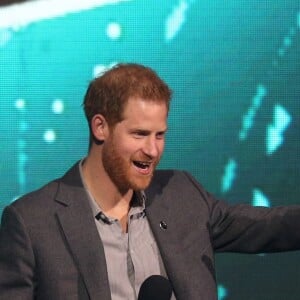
155,287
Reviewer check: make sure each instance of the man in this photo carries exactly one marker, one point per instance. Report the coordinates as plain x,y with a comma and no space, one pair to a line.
112,221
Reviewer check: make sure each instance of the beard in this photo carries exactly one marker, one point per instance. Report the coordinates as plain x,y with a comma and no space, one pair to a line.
121,171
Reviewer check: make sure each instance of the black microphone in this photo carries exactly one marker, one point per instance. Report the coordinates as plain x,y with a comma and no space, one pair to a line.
155,287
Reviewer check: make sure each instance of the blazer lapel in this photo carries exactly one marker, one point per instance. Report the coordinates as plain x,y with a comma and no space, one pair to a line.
159,208
78,225
158,213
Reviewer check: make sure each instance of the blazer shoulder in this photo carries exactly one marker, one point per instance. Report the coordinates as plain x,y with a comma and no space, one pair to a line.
33,198
169,173
165,177
47,193
178,182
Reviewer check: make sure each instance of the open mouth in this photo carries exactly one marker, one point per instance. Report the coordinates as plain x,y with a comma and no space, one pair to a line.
142,165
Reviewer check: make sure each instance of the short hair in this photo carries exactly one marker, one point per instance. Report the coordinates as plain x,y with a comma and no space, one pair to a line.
109,93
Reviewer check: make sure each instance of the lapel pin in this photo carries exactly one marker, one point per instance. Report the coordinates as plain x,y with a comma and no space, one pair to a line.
163,225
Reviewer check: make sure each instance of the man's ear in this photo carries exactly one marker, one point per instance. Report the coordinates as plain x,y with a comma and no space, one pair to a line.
99,127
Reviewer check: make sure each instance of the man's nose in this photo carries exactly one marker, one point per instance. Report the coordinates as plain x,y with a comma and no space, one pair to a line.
151,147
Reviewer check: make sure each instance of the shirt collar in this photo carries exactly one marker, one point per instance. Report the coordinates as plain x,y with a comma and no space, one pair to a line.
137,204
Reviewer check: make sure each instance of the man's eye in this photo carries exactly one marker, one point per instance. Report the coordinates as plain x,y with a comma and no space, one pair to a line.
160,135
139,134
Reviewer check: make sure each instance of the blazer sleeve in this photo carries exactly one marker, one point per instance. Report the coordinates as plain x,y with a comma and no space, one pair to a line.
16,258
247,229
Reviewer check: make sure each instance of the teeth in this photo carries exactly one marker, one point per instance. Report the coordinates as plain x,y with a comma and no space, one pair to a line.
142,165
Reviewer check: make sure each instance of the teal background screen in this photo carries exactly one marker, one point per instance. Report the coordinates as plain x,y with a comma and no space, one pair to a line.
234,68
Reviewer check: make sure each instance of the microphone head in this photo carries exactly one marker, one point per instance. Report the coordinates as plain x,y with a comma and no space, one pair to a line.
155,287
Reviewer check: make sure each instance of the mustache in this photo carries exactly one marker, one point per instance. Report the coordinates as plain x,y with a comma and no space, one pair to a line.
147,160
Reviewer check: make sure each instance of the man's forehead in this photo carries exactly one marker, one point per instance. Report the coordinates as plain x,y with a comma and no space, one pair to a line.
133,101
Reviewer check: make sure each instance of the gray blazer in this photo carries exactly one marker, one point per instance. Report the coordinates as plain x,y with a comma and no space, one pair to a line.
50,248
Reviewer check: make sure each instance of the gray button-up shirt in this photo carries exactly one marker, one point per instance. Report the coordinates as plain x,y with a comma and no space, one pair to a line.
131,257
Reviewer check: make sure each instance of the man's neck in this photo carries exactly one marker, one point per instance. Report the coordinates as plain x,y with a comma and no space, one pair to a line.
112,202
